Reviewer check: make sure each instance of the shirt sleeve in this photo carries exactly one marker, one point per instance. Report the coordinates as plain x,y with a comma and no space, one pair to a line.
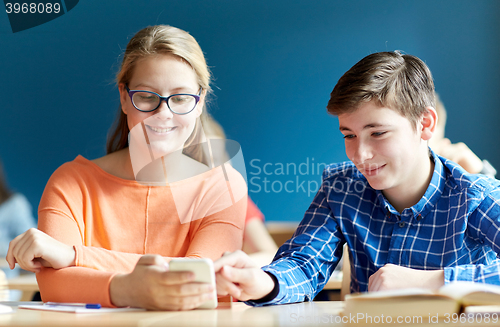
484,226
304,263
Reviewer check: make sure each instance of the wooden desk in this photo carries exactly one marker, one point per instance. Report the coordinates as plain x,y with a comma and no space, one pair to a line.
239,315
25,283
296,315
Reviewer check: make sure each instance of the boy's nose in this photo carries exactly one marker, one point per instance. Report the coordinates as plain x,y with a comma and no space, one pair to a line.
362,154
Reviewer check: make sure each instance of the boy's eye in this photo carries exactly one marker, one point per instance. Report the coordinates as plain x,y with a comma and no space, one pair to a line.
378,133
349,136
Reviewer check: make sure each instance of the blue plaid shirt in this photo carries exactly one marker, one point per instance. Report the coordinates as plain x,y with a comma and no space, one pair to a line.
455,226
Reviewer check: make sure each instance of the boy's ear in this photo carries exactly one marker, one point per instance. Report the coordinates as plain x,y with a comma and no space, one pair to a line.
428,123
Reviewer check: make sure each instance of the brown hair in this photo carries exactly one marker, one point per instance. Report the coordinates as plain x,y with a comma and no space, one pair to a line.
396,81
150,41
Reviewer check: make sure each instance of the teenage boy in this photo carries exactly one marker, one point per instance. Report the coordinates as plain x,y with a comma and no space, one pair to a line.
409,217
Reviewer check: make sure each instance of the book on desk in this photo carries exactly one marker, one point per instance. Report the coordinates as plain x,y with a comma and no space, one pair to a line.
453,298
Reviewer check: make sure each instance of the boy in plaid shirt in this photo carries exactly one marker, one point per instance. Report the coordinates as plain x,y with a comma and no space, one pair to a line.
409,217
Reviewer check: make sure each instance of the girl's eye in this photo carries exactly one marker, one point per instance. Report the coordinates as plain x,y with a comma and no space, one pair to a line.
378,134
349,136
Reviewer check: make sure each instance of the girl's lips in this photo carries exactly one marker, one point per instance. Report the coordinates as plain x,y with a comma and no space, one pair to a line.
161,130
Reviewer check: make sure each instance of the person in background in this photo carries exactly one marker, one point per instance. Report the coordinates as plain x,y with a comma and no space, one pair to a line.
16,216
109,226
257,242
457,152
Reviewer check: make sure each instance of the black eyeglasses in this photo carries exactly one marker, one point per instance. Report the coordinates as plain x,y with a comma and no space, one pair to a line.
147,101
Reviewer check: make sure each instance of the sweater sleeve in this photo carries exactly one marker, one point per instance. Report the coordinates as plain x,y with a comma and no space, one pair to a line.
226,224
66,230
219,232
66,202
75,284
60,216
64,205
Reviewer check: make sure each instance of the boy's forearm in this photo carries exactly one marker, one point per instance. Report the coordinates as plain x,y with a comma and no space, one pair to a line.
435,279
391,277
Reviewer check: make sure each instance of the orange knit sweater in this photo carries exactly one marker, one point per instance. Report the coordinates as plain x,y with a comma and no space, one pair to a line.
111,222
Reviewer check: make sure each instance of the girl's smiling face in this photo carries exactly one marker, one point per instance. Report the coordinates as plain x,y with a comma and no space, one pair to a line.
166,75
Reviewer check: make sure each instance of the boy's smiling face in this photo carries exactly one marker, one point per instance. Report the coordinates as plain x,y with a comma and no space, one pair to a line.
387,149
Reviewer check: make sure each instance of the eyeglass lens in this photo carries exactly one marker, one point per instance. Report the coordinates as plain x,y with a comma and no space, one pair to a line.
182,103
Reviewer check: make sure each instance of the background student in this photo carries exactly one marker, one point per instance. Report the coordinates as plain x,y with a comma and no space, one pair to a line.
458,152
153,193
257,242
15,217
410,218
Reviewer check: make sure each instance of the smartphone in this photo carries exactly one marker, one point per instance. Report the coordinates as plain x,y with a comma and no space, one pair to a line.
203,270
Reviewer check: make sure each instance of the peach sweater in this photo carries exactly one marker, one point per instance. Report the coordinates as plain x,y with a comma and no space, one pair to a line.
111,222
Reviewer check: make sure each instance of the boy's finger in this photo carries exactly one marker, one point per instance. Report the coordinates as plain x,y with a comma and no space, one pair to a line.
236,275
225,287
236,259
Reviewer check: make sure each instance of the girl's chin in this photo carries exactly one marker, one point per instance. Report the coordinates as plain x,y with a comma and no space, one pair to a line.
160,151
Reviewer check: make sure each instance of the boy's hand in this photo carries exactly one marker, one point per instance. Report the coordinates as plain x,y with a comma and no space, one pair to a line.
34,249
237,275
391,277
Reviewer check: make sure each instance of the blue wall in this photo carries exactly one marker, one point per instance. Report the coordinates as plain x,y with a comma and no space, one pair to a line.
274,63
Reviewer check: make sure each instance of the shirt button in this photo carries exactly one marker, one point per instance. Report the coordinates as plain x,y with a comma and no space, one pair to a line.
402,224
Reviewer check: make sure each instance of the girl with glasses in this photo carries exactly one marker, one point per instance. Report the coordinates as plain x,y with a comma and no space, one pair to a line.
108,227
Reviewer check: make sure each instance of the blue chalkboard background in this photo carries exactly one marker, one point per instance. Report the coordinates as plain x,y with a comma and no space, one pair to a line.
274,63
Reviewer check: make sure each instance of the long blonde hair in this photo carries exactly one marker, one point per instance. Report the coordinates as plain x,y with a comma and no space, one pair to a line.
151,41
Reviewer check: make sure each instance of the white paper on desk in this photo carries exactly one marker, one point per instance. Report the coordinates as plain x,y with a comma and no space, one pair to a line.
5,309
73,309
